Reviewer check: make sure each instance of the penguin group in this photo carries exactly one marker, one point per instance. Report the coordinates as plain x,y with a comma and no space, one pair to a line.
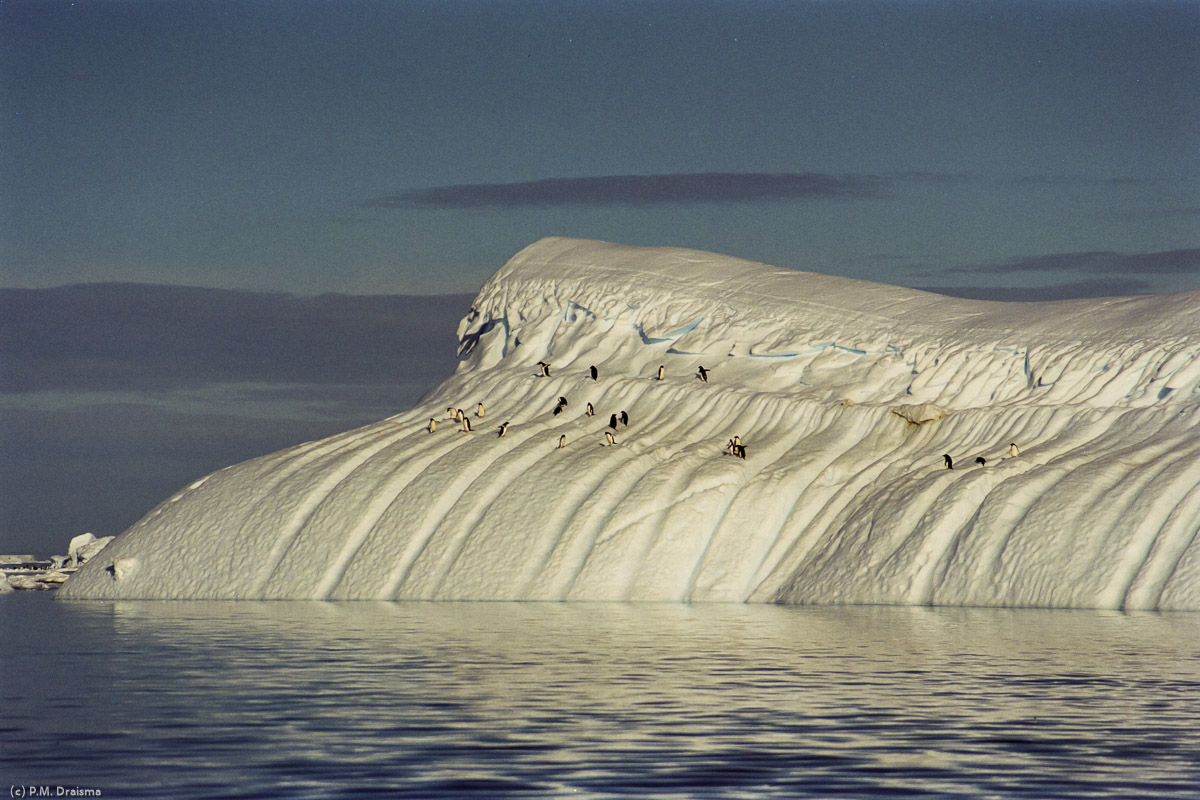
1013,452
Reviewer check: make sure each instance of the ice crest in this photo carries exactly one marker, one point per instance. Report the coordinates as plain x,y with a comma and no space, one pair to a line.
844,395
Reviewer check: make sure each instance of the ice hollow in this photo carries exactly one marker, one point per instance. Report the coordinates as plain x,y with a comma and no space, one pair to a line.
845,395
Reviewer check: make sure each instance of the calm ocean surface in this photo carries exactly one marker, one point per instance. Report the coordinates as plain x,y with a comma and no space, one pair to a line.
461,700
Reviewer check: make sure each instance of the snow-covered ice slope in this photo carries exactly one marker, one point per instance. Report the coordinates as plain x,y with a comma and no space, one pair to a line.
846,395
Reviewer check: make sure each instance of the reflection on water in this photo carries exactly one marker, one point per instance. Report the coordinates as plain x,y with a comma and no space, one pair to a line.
597,700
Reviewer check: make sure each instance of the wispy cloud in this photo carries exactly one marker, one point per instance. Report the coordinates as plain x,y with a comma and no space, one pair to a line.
1099,262
607,190
1073,290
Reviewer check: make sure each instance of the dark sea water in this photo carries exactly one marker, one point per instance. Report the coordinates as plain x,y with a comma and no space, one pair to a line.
464,700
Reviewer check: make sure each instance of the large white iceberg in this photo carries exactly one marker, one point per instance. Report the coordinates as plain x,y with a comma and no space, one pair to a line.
845,394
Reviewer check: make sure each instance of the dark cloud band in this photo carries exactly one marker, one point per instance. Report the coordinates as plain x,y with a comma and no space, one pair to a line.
606,190
1167,262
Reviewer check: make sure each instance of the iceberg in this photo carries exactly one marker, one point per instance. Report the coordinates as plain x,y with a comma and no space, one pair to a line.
845,395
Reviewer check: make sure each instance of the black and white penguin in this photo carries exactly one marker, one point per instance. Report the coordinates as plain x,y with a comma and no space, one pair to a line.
503,429
981,461
728,448
557,410
612,422
609,438
1013,450
544,369
562,401
737,441
452,413
432,425
479,410
702,374
459,416
739,450
591,412
624,419
466,424
662,371
595,373
949,461
562,441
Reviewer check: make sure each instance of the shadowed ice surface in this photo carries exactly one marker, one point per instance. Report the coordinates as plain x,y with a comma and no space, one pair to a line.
300,699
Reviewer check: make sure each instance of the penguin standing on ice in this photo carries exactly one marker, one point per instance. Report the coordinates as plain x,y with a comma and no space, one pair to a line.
562,441
433,425
452,413
557,410
662,371
466,424
612,422
981,461
591,412
503,429
609,438
1013,450
702,374
544,369
459,416
562,403
595,373
949,461
479,410
739,450
624,419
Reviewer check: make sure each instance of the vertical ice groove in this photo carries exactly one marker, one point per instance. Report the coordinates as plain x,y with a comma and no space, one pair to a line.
303,510
1166,488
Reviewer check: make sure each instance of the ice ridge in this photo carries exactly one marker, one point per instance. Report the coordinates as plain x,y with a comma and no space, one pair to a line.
846,395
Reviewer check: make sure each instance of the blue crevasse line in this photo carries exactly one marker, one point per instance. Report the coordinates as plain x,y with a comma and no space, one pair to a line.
1163,392
774,355
647,339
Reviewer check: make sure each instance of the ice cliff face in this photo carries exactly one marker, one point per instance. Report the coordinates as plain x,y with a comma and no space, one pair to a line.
845,394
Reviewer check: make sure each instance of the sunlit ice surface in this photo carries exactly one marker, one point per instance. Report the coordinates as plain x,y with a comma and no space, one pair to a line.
900,447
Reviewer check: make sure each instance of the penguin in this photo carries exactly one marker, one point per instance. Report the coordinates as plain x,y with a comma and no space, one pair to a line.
737,441
595,373
728,448
1013,450
949,461
503,429
557,410
466,424
662,371
612,422
479,410
591,412
452,413
459,416
609,438
562,441
981,461
433,425
702,374
562,401
739,450
624,419
544,369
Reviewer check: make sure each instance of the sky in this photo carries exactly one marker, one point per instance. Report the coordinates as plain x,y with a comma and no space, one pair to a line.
218,219
412,148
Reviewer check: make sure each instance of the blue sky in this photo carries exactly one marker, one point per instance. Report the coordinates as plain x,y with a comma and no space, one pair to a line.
408,147
273,150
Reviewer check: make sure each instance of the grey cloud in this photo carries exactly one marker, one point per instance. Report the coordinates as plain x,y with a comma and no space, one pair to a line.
134,337
1167,262
711,187
1101,287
